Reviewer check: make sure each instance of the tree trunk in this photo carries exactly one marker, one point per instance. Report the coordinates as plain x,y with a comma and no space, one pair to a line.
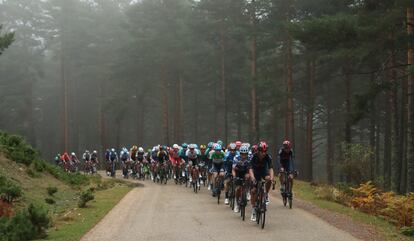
223,81
289,131
372,132
255,111
348,134
410,163
387,143
403,140
309,122
164,99
395,134
330,137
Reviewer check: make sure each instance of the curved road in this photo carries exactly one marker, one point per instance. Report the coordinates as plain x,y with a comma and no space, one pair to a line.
158,213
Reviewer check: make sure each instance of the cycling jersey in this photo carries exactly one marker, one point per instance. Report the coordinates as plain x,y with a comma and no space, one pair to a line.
261,166
241,166
162,156
228,161
192,156
140,156
286,159
182,154
94,157
218,161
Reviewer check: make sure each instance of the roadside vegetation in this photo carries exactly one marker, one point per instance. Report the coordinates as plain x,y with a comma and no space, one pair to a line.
41,201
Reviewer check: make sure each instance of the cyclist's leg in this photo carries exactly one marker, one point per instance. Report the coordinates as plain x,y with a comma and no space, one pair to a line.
268,183
282,180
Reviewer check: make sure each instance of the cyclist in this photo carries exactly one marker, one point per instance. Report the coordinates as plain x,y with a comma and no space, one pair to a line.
140,154
192,156
65,161
286,163
94,160
209,152
113,159
262,169
125,161
175,159
217,158
74,161
203,162
241,170
86,158
58,160
238,145
228,167
183,151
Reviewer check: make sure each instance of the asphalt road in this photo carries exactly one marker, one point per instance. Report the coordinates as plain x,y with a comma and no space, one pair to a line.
158,213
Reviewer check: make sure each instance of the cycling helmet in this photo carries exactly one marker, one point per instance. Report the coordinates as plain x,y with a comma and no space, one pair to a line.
220,142
244,150
232,146
73,154
87,151
95,152
164,147
246,144
184,145
140,149
238,144
175,146
218,147
210,144
263,146
203,147
191,146
113,149
287,144
255,148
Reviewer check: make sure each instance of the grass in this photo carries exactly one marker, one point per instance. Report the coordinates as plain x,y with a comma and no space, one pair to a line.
305,191
78,221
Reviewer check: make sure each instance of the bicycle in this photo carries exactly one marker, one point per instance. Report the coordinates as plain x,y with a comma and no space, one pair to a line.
232,192
260,205
217,186
287,196
242,202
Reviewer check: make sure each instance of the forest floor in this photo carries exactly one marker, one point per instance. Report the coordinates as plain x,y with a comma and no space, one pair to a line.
359,224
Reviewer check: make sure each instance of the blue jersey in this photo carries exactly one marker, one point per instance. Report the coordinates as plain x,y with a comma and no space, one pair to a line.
228,161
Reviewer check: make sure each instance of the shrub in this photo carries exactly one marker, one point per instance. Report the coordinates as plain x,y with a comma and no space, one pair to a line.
356,161
32,173
30,223
39,166
85,197
10,192
74,179
52,190
17,149
50,201
407,231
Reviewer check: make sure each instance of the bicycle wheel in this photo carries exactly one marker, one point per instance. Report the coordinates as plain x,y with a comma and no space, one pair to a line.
263,217
284,200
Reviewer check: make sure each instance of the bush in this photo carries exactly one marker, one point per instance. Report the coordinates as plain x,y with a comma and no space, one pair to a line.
407,231
356,161
17,149
10,192
32,173
50,201
85,197
39,166
29,224
52,190
74,179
